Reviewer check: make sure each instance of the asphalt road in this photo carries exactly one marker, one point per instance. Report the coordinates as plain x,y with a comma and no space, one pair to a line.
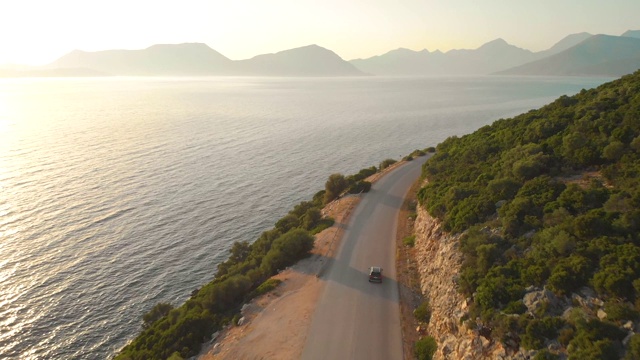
356,319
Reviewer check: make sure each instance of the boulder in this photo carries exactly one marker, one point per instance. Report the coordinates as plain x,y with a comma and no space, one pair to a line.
601,314
537,299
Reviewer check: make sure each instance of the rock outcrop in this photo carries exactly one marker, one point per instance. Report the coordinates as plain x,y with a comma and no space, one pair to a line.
439,261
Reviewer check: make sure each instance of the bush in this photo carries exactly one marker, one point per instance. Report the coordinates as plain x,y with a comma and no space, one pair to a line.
159,311
418,152
620,312
311,218
425,348
360,187
322,224
633,350
265,287
423,312
544,354
386,163
409,241
175,356
334,186
515,307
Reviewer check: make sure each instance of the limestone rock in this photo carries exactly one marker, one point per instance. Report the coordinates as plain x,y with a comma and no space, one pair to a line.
241,321
601,314
537,299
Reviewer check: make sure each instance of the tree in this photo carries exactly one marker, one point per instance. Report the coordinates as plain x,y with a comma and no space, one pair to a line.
334,186
613,151
156,313
311,218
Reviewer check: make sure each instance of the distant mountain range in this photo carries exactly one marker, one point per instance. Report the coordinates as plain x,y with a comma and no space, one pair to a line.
580,54
602,55
196,59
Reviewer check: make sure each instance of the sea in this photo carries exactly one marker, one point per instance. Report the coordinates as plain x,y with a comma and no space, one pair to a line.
121,192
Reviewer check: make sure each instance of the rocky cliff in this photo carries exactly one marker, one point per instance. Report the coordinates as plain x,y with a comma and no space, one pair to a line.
439,262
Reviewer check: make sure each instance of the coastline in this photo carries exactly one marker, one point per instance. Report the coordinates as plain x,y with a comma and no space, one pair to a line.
276,324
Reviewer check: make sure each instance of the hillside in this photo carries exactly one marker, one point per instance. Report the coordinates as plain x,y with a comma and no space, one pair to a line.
598,55
564,44
544,213
632,33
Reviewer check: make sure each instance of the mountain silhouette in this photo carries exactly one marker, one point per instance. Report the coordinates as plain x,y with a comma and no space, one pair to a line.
490,57
564,44
632,33
197,59
598,55
311,60
178,59
576,54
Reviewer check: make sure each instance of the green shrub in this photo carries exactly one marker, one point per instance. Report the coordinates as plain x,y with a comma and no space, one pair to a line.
423,312
287,223
386,163
159,311
544,354
311,218
360,187
265,287
334,186
418,152
322,224
409,241
618,311
515,307
633,348
425,348
175,356
537,331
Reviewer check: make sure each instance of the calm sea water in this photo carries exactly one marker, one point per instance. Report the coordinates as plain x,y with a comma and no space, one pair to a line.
119,193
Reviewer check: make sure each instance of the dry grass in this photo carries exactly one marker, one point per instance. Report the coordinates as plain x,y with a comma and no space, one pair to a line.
276,324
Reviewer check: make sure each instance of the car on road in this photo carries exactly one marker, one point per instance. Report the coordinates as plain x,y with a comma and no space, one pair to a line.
375,274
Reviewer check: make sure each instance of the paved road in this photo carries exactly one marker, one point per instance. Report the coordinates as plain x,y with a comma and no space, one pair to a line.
356,319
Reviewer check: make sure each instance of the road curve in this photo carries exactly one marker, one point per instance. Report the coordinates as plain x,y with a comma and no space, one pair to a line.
356,319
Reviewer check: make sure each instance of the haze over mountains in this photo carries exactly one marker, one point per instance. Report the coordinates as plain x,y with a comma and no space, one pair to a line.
579,54
195,59
598,55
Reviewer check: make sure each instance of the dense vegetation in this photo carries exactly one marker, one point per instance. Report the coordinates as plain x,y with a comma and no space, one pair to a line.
549,199
176,333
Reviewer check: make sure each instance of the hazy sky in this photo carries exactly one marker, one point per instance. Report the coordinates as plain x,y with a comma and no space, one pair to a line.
36,32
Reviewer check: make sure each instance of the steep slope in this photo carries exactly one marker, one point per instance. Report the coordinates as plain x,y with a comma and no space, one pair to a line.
564,44
599,55
311,60
535,221
632,33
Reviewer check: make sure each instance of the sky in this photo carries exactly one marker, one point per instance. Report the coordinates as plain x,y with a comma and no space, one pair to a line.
37,32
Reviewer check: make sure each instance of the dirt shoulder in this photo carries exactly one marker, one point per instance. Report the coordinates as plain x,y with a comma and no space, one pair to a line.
275,325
